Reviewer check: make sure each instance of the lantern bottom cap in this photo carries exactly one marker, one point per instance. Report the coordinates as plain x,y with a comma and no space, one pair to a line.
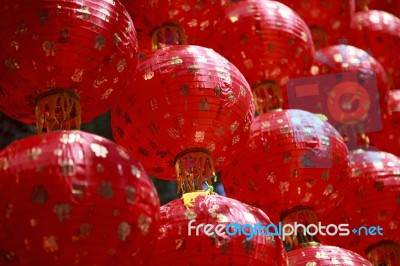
304,216
385,252
194,167
57,107
267,96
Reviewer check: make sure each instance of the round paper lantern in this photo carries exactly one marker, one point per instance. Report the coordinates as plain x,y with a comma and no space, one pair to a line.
328,20
378,32
367,90
372,199
163,23
388,139
197,111
269,43
324,256
292,158
73,198
179,244
64,62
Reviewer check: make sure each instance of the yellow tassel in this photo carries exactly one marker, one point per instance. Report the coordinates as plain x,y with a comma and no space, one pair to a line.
322,117
190,198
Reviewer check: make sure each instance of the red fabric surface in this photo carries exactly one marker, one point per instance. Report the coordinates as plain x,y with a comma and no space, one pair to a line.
73,198
372,199
388,139
197,17
378,32
292,158
176,247
325,256
266,40
391,6
183,97
89,48
332,16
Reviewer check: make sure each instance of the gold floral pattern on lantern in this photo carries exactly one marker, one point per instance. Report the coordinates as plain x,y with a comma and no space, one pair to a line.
301,159
51,73
75,205
198,112
177,246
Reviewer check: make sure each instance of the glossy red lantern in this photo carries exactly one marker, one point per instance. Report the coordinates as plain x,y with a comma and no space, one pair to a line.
388,139
164,23
324,256
269,43
293,158
328,20
73,198
372,199
59,58
378,32
175,246
197,108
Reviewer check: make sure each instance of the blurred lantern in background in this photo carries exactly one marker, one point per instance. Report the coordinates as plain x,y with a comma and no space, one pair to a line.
360,100
388,139
179,244
378,32
197,111
163,23
328,20
325,255
293,166
269,43
64,62
372,200
391,6
73,198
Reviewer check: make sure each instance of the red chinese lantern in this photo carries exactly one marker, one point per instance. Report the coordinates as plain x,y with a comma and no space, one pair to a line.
179,244
73,198
293,160
378,32
164,23
325,255
368,83
373,200
388,139
198,110
328,20
59,58
269,43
